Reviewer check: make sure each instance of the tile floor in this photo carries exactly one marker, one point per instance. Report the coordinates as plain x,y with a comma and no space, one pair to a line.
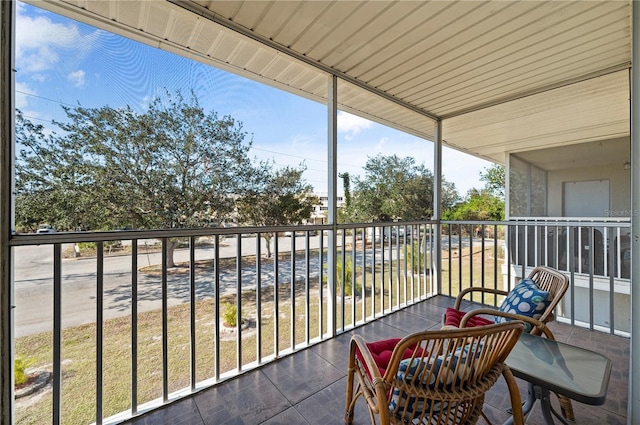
278,393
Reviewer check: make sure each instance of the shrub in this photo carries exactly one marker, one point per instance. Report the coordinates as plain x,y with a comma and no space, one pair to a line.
230,315
20,366
348,276
414,252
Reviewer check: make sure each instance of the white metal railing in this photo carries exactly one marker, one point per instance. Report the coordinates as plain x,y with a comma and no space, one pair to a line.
175,341
288,301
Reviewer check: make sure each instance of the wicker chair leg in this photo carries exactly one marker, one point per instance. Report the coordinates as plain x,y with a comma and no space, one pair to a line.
566,408
350,400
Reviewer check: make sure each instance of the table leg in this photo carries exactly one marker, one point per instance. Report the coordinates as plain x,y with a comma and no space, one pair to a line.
547,409
527,405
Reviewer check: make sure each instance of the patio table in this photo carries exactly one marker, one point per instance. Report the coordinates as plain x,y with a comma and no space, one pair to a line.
552,366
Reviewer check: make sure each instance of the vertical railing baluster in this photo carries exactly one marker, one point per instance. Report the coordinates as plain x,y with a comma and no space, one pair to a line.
134,326
192,310
482,260
343,281
450,261
57,335
495,260
612,293
364,273
99,329
293,290
373,271
216,307
591,260
571,242
239,302
353,276
165,325
460,230
391,266
321,284
276,307
307,289
403,282
259,298
471,229
382,270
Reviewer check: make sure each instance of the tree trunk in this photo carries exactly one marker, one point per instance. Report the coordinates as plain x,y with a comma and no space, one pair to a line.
267,238
170,248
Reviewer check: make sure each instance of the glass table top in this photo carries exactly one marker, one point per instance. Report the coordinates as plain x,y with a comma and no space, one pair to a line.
580,374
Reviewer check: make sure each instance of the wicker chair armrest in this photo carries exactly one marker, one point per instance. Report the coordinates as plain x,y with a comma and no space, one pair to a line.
359,343
466,291
538,327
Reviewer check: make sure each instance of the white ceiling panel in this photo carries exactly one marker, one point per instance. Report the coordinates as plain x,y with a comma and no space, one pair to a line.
503,76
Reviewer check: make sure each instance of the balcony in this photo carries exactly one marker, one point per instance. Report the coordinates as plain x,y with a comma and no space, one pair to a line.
151,346
309,386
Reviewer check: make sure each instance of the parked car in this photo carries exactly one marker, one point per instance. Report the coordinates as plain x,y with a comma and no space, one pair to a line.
45,229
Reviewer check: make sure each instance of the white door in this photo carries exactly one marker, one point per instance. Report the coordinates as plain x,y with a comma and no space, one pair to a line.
586,199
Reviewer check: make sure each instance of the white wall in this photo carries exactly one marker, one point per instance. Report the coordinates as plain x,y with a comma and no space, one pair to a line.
620,187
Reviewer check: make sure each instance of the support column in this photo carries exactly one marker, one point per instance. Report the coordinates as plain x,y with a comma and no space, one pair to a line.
633,416
437,204
332,213
7,118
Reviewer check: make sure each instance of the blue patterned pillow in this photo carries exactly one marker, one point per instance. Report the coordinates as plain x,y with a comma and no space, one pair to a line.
408,368
525,299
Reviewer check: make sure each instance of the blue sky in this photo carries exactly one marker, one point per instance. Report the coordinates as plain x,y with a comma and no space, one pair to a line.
64,62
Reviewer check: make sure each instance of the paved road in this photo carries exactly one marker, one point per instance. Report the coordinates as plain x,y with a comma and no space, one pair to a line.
34,282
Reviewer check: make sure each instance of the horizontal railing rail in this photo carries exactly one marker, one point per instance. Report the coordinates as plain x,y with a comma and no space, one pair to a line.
126,329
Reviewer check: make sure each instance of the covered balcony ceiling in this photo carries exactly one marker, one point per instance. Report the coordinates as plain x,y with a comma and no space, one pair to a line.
503,76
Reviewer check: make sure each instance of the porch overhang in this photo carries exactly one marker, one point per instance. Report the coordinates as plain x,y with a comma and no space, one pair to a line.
502,76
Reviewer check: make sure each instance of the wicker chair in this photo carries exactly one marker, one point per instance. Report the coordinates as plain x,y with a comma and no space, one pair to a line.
432,377
546,278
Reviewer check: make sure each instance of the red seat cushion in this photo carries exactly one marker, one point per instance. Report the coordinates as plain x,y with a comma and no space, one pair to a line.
452,317
381,352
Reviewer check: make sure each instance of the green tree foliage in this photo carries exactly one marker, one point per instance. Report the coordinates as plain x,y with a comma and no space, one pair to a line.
396,188
482,204
52,182
277,198
479,206
494,178
171,166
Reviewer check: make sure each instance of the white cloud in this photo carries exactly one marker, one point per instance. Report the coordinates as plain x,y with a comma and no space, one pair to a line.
77,78
380,145
40,41
351,124
300,140
21,98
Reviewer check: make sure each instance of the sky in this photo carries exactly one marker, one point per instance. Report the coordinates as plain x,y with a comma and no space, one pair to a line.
64,62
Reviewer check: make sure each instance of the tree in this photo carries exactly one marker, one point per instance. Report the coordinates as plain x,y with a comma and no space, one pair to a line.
52,185
479,206
482,204
397,188
172,166
278,198
494,178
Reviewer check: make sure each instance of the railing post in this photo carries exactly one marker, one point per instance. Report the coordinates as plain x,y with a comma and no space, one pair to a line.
7,119
634,367
437,206
332,213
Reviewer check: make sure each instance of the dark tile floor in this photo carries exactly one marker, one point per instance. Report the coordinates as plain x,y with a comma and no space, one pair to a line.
308,387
